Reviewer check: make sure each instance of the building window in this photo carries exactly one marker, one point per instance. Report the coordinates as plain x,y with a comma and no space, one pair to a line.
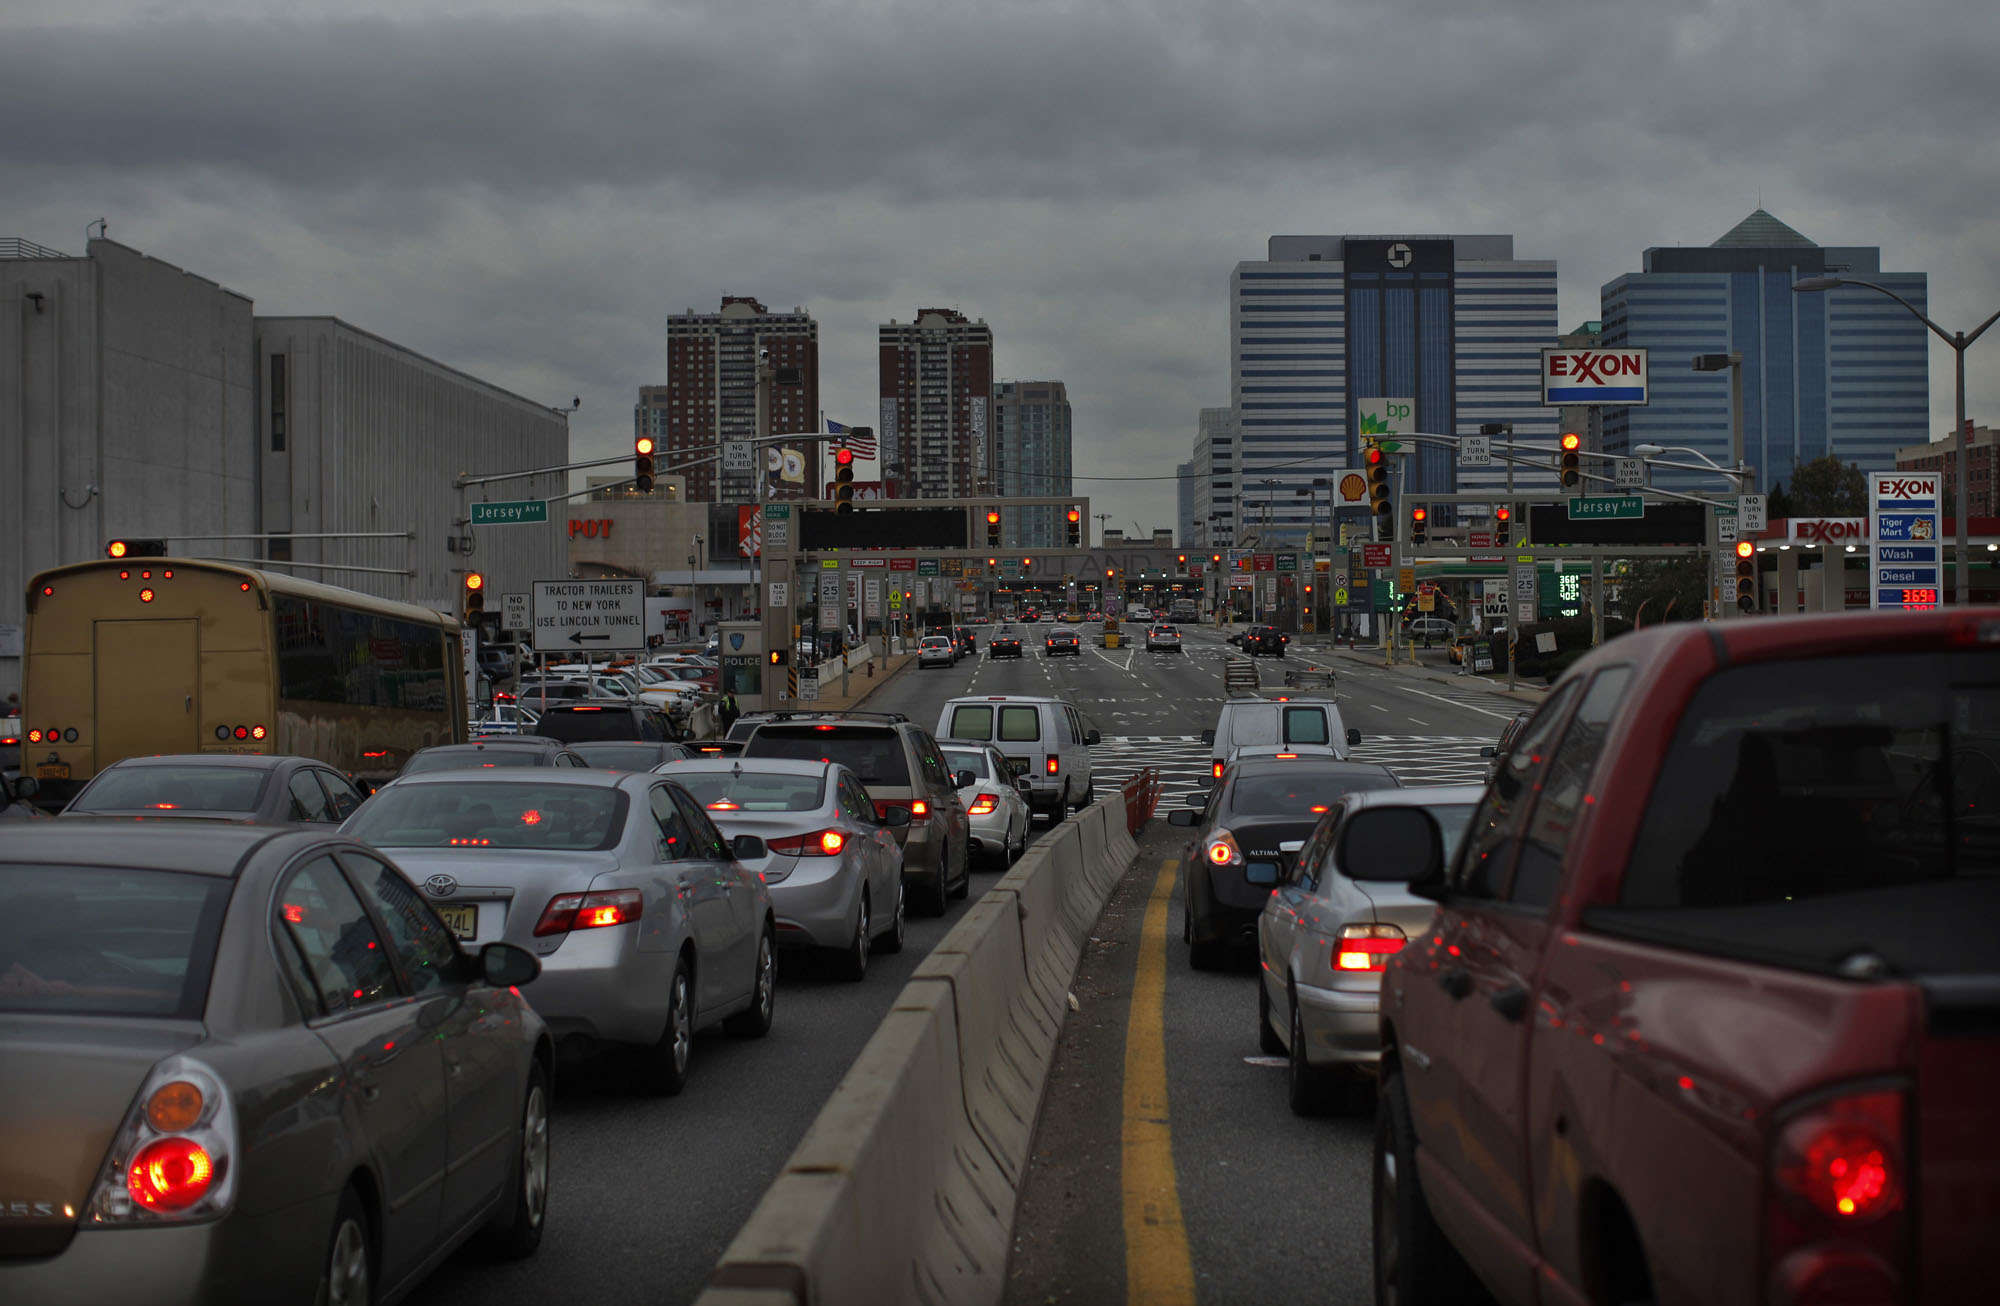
277,403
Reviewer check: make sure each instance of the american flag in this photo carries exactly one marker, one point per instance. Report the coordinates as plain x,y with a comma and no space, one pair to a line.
863,446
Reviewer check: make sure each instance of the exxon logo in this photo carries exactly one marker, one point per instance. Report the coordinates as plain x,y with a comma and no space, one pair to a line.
1906,487
1594,367
1829,530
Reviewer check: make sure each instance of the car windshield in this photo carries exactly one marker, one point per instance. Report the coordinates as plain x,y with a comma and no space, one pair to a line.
101,941
448,814
966,759
1299,788
471,759
173,788
619,757
752,791
873,754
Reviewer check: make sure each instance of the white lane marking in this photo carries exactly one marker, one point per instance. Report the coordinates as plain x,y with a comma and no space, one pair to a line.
1503,716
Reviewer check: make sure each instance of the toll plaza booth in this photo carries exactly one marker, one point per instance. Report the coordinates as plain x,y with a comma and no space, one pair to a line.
740,645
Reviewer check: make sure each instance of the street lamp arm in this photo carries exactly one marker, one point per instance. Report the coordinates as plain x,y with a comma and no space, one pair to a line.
1978,331
1915,312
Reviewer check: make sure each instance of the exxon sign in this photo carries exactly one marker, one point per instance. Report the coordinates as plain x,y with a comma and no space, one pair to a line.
1593,376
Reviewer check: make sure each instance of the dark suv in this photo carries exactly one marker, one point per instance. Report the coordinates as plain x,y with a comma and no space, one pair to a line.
576,722
900,765
1264,639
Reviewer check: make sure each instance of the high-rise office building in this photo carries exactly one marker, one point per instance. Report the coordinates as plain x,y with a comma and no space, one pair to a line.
1453,324
937,399
1213,482
1031,456
709,413
1184,504
1844,372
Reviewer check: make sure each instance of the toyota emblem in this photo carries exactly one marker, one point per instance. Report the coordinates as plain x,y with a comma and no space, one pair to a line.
440,886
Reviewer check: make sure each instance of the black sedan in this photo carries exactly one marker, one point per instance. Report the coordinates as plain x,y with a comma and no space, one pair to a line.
1247,831
1265,639
630,754
1003,643
220,786
1062,640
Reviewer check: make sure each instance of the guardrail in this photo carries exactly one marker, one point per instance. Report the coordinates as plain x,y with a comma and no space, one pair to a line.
1142,799
903,1190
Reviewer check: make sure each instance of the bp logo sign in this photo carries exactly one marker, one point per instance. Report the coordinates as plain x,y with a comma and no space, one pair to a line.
1384,416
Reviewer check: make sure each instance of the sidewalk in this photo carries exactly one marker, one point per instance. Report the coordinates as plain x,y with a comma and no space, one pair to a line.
1525,690
859,684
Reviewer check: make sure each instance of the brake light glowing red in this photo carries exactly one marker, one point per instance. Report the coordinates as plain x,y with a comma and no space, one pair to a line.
1286,757
1215,769
590,911
1054,765
531,817
258,732
826,728
723,804
586,709
918,807
1844,1161
983,804
820,843
169,1175
1366,954
146,595
1221,853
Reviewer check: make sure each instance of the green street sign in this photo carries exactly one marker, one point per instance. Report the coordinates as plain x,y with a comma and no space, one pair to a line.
778,511
516,512
1288,562
1606,507
927,566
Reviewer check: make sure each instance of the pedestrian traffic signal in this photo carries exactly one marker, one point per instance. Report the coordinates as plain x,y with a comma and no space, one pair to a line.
1420,517
992,528
1568,464
1503,524
779,657
475,597
1746,576
843,480
642,464
1377,464
1075,528
136,549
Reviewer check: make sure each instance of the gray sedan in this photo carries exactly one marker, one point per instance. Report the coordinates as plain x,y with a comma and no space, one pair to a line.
647,925
228,787
834,868
1326,932
240,1064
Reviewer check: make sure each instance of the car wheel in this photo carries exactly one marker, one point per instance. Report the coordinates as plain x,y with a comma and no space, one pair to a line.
892,941
516,1230
755,1020
1415,1264
937,899
349,1277
1202,954
854,960
1309,1088
964,888
1268,1041
663,1067
1020,844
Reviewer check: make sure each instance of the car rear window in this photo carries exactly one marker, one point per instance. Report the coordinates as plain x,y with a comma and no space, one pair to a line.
577,723
1252,725
472,759
1305,725
1811,810
447,814
874,755
721,791
619,757
1020,723
1299,788
169,788
102,941
971,721
966,759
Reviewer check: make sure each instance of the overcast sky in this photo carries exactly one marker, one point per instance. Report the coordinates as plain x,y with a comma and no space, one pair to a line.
525,191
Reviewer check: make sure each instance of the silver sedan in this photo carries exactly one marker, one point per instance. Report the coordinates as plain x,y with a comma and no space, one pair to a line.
995,800
1327,931
647,924
834,869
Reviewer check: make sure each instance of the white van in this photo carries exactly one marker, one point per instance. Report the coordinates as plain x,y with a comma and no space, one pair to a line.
1246,722
1044,739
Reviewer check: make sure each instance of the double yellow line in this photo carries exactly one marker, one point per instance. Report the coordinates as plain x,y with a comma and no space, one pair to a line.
1158,1269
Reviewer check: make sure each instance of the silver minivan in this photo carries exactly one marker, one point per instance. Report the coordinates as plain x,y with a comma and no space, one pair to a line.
1246,722
1043,739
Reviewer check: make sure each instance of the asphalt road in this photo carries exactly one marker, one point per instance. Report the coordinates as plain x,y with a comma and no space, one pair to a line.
647,1193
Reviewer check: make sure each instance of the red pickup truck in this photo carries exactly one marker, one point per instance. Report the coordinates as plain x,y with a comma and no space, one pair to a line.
1710,1011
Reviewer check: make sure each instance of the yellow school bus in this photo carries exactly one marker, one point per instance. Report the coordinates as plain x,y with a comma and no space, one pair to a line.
170,655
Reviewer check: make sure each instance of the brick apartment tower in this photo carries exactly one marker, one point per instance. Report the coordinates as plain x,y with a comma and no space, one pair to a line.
710,397
936,424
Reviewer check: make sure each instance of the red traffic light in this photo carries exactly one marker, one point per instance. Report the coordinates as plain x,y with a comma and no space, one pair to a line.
1373,456
1745,548
1503,514
644,444
993,517
1075,516
1571,441
474,581
1420,514
844,457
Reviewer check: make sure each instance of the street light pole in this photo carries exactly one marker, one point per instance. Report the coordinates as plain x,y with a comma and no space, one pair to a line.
1959,341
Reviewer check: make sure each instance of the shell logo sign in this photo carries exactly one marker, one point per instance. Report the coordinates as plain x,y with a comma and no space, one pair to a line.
1353,487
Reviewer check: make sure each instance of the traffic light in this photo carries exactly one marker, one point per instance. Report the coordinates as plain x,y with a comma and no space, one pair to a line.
1503,524
992,528
1420,517
136,549
642,464
475,597
1377,464
1746,576
1075,528
843,480
780,656
1571,472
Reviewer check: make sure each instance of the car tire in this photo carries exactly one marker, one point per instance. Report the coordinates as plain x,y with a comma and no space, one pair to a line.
891,940
754,1021
516,1230
854,957
348,1276
964,889
1311,1090
1414,1263
1202,954
1268,1041
663,1068
936,898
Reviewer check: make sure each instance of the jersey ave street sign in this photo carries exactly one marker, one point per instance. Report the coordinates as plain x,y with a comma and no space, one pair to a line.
513,512
1606,507
590,616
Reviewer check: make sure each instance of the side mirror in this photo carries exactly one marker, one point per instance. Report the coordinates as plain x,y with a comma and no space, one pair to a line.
960,779
1394,845
1262,874
897,818
503,965
1092,738
1353,735
1024,784
747,848
1184,816
27,787
1208,736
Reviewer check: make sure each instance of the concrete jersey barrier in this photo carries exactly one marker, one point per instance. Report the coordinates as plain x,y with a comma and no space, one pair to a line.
904,1188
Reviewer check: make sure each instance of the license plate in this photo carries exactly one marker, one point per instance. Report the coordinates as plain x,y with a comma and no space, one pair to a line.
52,771
462,919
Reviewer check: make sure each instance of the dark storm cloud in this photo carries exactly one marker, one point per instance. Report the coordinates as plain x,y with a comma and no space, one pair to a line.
527,194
